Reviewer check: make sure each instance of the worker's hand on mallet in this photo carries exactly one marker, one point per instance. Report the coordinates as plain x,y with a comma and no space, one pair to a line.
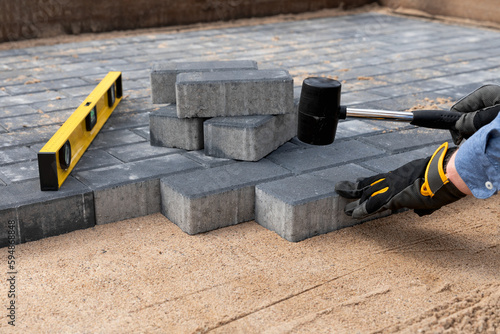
421,185
478,108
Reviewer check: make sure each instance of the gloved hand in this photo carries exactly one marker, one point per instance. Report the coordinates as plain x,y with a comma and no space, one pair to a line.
421,185
479,108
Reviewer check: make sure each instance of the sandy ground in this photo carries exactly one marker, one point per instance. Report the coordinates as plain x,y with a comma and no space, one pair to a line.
402,273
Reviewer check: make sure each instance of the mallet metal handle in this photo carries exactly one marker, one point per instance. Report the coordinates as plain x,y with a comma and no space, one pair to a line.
380,114
436,119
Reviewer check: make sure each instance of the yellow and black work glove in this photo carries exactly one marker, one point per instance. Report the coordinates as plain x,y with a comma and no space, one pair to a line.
478,108
421,185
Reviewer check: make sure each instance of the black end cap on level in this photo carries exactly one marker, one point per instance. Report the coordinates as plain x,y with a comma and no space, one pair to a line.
47,166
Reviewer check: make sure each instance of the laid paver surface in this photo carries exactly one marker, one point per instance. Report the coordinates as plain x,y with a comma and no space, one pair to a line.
383,61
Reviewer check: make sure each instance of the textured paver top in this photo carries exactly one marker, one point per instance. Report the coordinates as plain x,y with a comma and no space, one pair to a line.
383,61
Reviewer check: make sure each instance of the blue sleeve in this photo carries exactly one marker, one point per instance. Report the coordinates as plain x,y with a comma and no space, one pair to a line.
478,160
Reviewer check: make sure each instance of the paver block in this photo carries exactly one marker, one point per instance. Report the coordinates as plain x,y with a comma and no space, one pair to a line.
348,172
163,75
20,172
14,100
126,121
16,154
136,105
409,139
140,151
314,158
44,219
142,131
127,201
248,138
95,159
28,137
167,130
49,106
206,160
206,200
35,120
9,227
303,206
234,93
44,86
107,139
297,207
131,189
355,128
288,146
41,214
391,162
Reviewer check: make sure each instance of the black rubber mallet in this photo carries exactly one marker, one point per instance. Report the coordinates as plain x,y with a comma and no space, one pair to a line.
320,111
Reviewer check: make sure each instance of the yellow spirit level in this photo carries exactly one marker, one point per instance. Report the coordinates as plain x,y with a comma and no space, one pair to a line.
59,156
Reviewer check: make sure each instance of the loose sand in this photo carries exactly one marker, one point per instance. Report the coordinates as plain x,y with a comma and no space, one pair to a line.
397,274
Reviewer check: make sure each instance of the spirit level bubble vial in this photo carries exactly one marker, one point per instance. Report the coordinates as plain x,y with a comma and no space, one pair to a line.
60,154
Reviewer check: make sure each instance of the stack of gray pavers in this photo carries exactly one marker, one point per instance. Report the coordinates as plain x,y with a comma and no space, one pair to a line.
232,110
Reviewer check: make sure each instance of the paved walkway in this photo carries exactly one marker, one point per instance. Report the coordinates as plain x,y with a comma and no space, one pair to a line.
383,61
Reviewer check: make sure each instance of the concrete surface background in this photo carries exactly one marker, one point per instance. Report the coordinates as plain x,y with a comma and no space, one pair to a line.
479,10
41,18
26,19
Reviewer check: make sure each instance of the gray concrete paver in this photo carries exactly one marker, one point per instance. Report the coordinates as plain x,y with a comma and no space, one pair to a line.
406,140
167,130
93,159
39,213
153,168
140,151
16,154
20,171
391,162
320,157
204,200
107,139
163,75
234,93
248,138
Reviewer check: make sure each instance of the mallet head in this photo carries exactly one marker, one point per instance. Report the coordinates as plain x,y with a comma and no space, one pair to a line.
319,110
